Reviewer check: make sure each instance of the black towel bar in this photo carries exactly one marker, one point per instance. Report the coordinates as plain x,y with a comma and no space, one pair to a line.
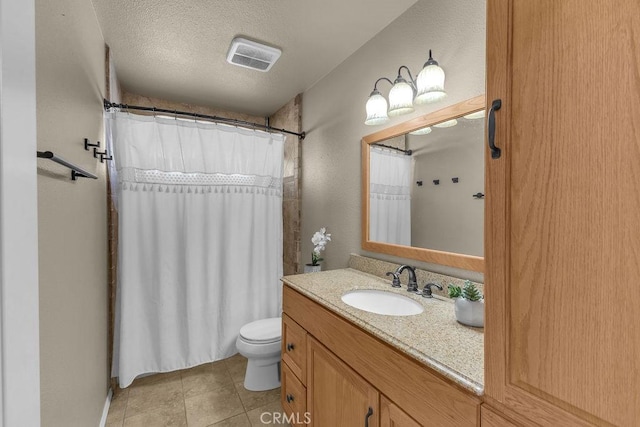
75,170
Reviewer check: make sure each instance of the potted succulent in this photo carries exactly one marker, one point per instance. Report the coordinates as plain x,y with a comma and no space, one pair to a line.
469,304
319,239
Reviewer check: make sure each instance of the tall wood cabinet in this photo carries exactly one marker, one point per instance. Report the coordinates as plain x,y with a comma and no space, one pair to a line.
562,254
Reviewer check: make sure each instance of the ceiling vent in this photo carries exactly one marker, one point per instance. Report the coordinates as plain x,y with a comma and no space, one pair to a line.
250,54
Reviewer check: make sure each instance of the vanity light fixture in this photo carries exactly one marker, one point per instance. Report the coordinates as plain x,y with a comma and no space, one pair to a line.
428,87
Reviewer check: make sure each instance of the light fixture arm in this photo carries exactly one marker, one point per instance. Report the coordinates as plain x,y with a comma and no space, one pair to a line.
411,80
375,86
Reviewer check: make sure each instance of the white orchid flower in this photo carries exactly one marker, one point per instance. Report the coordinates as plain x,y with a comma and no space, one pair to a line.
319,239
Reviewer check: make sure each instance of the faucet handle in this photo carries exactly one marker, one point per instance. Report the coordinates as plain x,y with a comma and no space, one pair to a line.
426,292
396,279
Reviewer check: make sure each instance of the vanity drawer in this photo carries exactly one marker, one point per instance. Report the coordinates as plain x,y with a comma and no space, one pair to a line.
293,397
294,346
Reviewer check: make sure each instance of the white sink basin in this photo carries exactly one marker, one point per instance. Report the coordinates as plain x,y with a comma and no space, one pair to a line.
382,302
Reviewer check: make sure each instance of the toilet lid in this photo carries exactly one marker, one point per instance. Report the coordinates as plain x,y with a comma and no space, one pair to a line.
264,331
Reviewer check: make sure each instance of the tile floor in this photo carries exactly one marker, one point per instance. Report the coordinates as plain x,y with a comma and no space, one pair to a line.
207,395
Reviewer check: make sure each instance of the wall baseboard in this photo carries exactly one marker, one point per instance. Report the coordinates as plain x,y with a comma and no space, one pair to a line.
105,410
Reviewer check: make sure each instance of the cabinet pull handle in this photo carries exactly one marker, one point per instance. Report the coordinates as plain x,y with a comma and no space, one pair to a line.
290,346
495,106
289,398
369,413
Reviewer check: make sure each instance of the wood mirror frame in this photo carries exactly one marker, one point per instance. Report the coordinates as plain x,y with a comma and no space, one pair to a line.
466,262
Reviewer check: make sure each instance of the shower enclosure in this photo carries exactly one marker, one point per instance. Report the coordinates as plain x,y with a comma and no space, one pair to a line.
199,239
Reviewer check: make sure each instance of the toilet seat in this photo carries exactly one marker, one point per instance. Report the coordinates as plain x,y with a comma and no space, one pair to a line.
264,331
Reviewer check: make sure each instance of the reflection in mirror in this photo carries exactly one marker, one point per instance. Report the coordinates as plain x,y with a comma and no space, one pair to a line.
425,182
390,172
422,187
446,216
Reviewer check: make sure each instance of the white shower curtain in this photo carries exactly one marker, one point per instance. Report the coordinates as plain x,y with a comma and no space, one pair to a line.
390,196
200,239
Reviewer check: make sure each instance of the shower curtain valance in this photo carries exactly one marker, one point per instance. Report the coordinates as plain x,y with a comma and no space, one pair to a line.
165,154
155,180
390,175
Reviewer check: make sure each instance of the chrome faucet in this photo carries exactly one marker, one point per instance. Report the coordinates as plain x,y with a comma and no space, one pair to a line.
412,286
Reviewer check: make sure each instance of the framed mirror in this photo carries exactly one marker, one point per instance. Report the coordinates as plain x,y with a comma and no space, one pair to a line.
423,187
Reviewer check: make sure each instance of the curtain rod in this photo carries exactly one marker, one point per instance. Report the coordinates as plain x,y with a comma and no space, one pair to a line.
406,152
267,127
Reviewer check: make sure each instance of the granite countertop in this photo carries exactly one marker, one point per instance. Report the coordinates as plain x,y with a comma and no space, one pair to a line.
433,337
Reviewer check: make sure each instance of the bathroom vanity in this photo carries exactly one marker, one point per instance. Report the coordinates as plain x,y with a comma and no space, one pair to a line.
347,367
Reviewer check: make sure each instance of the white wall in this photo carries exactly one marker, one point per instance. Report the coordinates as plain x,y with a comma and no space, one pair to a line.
333,112
19,355
70,75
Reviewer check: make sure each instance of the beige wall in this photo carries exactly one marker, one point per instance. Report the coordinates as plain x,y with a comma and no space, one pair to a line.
70,80
333,113
131,98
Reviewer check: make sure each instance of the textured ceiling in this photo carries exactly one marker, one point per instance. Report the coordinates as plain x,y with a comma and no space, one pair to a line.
176,50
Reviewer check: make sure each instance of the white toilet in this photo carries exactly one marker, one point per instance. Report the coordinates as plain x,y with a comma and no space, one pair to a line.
260,342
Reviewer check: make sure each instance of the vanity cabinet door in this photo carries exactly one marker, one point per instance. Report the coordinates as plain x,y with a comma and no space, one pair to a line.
562,230
392,416
336,394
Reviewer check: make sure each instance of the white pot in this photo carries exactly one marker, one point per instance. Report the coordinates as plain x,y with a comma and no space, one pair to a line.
309,268
470,313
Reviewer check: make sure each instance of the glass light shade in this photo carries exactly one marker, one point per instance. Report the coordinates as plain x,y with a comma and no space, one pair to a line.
422,131
476,115
376,109
446,124
430,84
400,98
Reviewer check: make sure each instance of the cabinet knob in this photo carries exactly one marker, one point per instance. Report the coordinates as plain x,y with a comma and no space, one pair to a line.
290,346
289,398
